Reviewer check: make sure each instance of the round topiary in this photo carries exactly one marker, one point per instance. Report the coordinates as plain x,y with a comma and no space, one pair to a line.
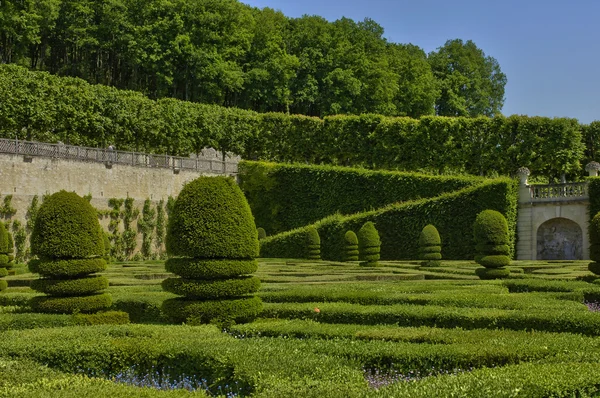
313,244
350,246
68,240
490,231
430,246
213,242
261,233
594,266
369,245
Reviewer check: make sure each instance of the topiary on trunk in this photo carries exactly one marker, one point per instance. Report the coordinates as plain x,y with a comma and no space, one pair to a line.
369,245
261,233
491,243
4,259
350,246
212,244
594,266
430,246
313,244
68,241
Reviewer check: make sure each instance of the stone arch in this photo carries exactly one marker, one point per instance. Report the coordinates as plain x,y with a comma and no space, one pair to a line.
559,239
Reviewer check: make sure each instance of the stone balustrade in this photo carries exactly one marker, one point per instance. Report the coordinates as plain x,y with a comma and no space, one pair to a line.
558,192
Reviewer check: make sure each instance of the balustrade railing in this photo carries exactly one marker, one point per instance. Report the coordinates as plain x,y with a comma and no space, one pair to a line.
209,160
552,192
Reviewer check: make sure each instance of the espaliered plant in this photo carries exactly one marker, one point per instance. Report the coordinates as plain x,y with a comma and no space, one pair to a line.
68,241
491,243
4,259
313,244
594,266
430,246
350,246
212,244
369,245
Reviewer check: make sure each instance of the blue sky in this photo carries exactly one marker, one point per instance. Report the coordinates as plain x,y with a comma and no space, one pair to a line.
549,50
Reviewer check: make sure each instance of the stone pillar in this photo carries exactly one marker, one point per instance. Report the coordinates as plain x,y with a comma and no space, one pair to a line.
592,168
526,242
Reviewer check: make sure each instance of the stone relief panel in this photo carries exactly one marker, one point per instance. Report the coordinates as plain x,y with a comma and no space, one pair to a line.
559,239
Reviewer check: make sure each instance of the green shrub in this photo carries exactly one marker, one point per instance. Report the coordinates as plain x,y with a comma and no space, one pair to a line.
313,244
400,224
212,231
594,233
261,233
102,318
368,245
3,283
350,246
490,231
430,245
72,304
67,227
68,240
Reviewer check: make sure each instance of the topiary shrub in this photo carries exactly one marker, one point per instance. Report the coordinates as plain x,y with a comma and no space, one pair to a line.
350,246
261,233
430,246
68,241
313,244
369,245
594,266
491,242
212,243
4,255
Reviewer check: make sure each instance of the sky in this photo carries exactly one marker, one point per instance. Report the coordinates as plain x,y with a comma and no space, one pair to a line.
549,50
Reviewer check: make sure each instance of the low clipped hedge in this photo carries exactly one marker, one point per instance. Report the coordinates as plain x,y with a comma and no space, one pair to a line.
70,305
212,289
240,310
70,287
196,268
493,273
400,224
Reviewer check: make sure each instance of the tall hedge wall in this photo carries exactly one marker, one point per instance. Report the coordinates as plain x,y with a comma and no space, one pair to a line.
594,194
400,224
42,107
283,196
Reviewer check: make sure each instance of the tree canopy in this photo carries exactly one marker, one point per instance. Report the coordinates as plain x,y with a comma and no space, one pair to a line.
227,53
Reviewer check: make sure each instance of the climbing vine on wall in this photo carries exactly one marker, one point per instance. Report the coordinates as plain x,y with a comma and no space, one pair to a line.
146,226
20,240
161,224
113,227
6,210
130,214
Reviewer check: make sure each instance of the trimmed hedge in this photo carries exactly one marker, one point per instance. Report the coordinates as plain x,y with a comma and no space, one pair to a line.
211,219
350,246
67,268
283,196
194,268
73,304
212,289
430,246
493,272
70,287
240,310
313,244
594,233
400,224
212,227
368,245
490,231
67,227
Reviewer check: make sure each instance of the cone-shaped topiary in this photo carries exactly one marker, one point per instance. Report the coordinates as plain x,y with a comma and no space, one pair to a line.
430,246
212,243
369,245
350,246
594,266
68,240
313,244
491,242
261,233
4,258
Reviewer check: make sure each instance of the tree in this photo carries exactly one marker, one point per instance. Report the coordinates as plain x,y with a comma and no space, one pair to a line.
471,84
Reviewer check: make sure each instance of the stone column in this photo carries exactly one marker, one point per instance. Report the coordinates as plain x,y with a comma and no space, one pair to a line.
525,244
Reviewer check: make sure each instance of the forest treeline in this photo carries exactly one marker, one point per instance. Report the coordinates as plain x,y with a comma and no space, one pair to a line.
227,53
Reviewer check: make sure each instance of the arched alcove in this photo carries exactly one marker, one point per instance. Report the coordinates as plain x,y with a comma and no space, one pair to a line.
559,239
